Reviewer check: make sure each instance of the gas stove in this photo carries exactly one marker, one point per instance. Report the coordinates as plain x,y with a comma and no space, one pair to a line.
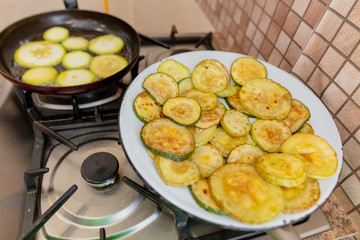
64,197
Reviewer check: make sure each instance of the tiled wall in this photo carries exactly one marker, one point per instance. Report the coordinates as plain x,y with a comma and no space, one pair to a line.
317,41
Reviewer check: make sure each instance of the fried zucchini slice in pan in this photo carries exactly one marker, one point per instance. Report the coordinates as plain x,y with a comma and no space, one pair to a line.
184,111
208,158
269,134
282,169
165,138
245,69
265,99
301,198
243,194
106,44
177,174
201,193
175,69
235,123
145,108
297,116
161,87
320,158
245,153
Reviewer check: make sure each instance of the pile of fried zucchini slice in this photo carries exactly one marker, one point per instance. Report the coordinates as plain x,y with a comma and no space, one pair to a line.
250,170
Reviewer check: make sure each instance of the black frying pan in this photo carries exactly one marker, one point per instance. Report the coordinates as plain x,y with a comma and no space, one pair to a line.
80,23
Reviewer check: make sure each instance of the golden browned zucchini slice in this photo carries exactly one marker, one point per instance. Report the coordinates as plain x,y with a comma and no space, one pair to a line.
221,66
175,69
225,143
306,128
202,196
177,174
245,69
145,108
208,77
301,198
208,158
184,85
282,169
269,134
202,136
207,101
297,116
233,102
184,111
211,117
243,194
245,153
165,138
230,90
161,87
320,158
265,99
235,123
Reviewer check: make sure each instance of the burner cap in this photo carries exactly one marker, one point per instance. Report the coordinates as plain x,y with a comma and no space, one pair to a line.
100,169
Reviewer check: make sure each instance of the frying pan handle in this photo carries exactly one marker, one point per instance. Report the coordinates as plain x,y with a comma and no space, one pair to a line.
71,4
284,233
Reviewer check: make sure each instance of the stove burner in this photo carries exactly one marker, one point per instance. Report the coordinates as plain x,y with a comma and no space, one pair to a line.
100,169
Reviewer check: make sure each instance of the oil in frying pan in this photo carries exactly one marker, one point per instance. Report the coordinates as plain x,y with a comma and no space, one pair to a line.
17,71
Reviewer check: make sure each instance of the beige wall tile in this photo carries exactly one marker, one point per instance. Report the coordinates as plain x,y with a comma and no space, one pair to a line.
244,22
300,6
342,7
264,22
351,153
356,97
357,135
237,15
355,15
350,116
239,36
355,57
248,7
314,12
256,14
292,53
347,38
331,62
344,133
258,39
328,25
303,67
250,31
288,2
266,48
355,218
285,65
348,78
291,23
345,171
302,34
253,51
281,13
318,81
273,32
343,199
270,6
352,188
245,45
315,48
282,42
241,3
333,97
231,7
275,57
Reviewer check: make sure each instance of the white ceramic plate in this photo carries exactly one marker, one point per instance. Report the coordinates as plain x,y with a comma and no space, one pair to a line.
130,127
